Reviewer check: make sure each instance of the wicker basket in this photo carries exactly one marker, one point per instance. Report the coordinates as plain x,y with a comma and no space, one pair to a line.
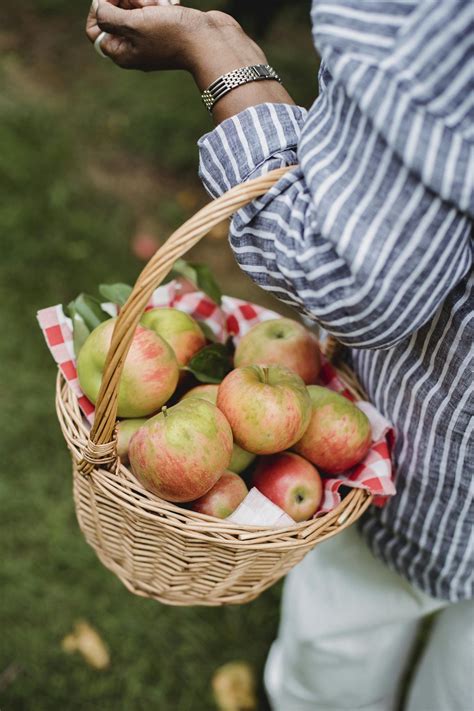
157,549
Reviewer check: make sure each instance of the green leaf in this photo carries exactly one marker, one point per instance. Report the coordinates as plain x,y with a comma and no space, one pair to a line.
207,283
200,275
182,269
116,293
89,309
211,364
80,332
86,314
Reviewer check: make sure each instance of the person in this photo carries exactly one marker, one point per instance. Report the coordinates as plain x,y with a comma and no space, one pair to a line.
369,235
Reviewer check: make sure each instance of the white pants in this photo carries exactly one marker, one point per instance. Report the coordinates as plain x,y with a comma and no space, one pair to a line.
347,633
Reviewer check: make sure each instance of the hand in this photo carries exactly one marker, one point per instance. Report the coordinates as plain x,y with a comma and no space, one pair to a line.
92,28
152,34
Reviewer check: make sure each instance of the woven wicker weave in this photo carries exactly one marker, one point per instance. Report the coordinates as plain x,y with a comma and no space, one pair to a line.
157,549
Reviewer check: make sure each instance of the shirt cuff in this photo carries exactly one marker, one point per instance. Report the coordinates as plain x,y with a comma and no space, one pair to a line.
240,145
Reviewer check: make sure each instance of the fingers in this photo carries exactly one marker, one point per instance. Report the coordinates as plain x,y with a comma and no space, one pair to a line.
119,49
147,3
114,20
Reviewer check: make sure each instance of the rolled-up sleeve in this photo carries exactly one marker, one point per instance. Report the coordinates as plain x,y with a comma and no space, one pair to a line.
356,236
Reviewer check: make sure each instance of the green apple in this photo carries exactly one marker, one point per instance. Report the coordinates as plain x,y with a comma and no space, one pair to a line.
125,431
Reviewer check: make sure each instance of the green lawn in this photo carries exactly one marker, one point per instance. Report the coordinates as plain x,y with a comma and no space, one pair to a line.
89,155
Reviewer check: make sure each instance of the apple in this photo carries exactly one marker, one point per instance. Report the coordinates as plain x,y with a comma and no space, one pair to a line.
180,453
240,458
291,482
338,435
224,497
125,431
149,376
268,407
206,392
178,329
284,342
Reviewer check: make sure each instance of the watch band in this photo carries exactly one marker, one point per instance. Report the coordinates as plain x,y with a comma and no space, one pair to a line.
225,83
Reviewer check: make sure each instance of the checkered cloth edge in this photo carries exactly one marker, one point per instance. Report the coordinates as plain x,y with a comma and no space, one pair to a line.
236,317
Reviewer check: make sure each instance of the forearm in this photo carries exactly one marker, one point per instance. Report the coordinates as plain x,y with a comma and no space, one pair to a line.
229,48
243,97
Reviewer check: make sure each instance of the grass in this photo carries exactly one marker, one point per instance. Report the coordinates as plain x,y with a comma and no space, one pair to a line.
89,156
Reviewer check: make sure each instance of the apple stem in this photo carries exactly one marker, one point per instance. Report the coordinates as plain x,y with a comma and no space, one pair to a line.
164,410
265,375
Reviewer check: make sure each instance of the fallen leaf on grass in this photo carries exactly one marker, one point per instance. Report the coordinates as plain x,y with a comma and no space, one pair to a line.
8,675
234,687
87,641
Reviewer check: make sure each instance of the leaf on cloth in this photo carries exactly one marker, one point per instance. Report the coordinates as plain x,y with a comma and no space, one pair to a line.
182,269
90,310
207,283
80,332
198,274
234,687
116,293
87,641
211,364
86,314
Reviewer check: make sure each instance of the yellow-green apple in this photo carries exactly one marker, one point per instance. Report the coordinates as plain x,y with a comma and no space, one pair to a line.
149,376
178,329
206,392
240,458
338,435
180,453
291,482
268,407
224,497
125,431
284,342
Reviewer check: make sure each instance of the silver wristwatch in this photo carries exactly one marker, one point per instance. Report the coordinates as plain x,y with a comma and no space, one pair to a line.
221,86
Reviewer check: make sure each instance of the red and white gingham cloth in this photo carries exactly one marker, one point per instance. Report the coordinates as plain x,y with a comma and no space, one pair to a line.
235,317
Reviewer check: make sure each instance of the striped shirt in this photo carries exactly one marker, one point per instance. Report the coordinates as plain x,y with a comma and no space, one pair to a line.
370,236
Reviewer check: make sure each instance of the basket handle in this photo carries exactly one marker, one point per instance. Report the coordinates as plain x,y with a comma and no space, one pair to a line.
101,447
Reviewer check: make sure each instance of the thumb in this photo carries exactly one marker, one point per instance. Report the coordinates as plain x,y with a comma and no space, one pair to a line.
114,20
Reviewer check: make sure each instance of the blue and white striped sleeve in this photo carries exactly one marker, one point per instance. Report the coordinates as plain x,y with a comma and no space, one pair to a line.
371,231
